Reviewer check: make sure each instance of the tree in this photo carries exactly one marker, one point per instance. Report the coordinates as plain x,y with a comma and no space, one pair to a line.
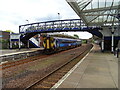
75,35
8,31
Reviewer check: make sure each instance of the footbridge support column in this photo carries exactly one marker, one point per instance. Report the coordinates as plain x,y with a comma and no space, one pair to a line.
102,45
110,38
112,29
19,44
28,44
112,46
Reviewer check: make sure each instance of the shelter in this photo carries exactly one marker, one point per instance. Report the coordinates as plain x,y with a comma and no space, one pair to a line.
103,13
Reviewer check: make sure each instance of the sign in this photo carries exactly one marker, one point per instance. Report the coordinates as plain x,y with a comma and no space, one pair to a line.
14,36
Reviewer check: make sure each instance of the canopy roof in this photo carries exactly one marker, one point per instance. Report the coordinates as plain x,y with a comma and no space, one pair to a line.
97,12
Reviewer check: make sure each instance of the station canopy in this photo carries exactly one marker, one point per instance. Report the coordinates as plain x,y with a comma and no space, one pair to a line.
97,12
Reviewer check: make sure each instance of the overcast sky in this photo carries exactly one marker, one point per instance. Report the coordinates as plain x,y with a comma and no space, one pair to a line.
15,12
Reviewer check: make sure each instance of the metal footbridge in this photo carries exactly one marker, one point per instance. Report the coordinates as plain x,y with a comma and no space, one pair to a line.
29,30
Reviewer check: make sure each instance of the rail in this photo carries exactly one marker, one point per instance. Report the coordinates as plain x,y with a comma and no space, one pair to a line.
81,55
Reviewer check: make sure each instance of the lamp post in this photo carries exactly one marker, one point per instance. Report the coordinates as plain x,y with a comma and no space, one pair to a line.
27,21
59,19
102,44
58,16
28,39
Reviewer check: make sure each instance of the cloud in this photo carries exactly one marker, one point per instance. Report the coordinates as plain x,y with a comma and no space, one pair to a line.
15,12
48,17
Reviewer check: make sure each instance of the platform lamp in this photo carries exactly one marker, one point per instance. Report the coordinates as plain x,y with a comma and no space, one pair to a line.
58,16
27,21
59,19
28,39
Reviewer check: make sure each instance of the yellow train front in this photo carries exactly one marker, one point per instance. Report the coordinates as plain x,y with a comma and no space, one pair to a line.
48,44
54,44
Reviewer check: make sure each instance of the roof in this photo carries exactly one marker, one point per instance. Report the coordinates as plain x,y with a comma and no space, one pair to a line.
97,12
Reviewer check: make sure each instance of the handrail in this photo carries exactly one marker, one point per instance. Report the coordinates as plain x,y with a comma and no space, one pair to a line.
34,41
56,24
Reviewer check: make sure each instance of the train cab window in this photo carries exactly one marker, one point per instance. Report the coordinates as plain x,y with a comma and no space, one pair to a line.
45,41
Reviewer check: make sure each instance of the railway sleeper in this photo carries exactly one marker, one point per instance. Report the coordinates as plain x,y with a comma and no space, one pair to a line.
52,79
46,84
49,82
56,76
62,73
41,86
59,73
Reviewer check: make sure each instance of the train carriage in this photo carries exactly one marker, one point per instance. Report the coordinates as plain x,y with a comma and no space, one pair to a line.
54,44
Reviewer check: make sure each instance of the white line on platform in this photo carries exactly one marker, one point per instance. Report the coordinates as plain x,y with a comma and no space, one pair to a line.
3,62
20,52
66,75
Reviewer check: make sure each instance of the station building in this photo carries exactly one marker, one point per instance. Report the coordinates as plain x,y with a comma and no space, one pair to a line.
4,35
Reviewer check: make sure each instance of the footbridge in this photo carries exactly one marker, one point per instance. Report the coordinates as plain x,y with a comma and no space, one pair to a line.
27,31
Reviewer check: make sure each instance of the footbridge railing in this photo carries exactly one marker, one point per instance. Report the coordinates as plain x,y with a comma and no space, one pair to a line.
54,26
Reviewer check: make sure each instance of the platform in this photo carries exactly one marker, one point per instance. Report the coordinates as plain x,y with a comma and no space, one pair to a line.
17,51
16,54
96,70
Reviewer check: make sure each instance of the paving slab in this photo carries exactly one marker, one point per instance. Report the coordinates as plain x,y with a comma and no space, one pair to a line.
97,70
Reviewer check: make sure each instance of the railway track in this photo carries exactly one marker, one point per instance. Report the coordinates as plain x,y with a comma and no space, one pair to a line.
53,77
19,62
23,61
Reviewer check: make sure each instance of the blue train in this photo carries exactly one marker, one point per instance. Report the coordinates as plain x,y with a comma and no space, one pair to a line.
54,44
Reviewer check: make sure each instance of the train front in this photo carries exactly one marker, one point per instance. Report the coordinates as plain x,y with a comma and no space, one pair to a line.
49,44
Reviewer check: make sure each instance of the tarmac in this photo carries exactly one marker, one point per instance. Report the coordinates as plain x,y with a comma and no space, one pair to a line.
95,70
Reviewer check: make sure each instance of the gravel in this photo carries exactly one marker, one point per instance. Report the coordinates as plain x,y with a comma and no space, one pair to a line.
23,75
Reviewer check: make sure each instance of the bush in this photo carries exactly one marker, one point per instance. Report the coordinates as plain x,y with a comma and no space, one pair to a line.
4,44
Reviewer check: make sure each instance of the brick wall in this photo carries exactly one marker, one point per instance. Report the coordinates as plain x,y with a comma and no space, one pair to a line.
4,35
